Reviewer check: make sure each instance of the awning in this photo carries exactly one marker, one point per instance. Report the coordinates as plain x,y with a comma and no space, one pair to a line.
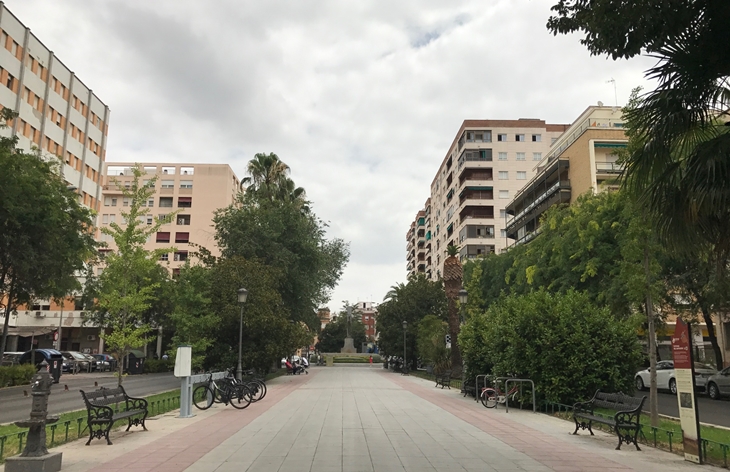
461,194
610,145
28,331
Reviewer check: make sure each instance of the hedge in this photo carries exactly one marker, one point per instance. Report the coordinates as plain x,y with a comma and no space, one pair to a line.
153,366
16,375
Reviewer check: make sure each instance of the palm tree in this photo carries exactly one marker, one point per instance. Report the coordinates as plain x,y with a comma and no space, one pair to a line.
453,275
266,173
394,292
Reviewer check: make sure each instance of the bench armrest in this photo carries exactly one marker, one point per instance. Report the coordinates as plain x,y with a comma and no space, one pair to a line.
99,412
583,407
136,403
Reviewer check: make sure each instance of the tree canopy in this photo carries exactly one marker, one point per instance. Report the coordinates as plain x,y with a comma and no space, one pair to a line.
332,337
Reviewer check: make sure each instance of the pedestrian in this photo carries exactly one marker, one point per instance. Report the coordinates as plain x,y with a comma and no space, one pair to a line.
371,361
165,357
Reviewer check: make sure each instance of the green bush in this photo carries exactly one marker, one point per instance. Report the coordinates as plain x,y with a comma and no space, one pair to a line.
567,345
154,366
16,375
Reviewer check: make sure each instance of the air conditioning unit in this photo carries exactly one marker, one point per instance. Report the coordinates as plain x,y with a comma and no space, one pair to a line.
40,314
91,337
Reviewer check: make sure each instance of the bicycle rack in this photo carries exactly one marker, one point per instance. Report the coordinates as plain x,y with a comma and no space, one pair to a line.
186,390
476,385
520,381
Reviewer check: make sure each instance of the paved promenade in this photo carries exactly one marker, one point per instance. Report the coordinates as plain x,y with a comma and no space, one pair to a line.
360,418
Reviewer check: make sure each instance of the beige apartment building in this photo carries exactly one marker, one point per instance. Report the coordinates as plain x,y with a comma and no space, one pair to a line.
194,191
59,118
582,160
488,162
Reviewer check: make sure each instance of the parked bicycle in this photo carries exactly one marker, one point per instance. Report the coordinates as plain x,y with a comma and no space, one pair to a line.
226,390
490,397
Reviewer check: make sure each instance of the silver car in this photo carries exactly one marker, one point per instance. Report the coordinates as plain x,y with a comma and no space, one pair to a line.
719,384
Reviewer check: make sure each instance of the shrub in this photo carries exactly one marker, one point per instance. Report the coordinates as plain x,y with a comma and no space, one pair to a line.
568,346
16,375
153,366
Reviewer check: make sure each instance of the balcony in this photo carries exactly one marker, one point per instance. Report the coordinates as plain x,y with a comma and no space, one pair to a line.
470,212
476,193
476,175
609,168
475,155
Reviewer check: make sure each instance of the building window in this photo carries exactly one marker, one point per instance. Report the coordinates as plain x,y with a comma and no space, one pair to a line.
504,194
112,218
165,202
162,237
502,213
552,141
186,184
520,138
168,184
503,233
104,219
163,218
503,175
125,201
502,137
502,156
183,220
536,156
149,220
184,202
182,237
520,156
181,256
536,138
164,257
187,170
521,175
168,171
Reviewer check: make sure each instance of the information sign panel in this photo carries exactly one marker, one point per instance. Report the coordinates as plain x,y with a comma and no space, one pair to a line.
684,377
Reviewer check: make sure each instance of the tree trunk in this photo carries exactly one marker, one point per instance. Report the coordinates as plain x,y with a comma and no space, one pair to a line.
8,310
712,334
653,396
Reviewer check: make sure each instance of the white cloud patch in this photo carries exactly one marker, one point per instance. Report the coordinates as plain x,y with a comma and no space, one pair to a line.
361,99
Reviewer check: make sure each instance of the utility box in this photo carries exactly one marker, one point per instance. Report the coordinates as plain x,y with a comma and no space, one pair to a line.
183,361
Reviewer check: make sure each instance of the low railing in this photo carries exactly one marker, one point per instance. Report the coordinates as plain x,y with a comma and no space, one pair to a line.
609,167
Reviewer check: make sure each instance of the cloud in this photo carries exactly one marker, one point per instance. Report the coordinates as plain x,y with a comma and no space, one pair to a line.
361,99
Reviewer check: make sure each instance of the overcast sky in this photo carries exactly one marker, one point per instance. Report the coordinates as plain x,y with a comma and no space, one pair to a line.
361,99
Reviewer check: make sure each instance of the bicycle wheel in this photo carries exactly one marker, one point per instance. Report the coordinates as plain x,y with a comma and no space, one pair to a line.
202,397
489,398
240,396
258,390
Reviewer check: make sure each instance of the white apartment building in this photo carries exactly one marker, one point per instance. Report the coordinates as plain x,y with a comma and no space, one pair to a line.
488,162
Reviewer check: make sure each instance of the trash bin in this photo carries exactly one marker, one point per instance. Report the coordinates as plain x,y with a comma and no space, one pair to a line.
135,362
55,365
53,358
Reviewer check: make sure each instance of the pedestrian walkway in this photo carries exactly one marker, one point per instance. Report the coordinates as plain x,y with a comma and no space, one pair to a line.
360,418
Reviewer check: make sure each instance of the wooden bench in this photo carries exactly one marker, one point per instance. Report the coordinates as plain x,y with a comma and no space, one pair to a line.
443,379
625,421
101,415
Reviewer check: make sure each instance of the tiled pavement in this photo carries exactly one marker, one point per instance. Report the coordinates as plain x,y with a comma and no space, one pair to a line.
360,418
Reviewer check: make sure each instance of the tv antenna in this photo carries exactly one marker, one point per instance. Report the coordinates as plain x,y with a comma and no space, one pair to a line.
615,94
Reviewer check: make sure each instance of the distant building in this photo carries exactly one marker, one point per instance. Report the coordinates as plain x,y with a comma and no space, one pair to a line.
368,314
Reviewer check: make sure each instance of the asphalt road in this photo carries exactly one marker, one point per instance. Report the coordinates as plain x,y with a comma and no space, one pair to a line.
65,396
711,411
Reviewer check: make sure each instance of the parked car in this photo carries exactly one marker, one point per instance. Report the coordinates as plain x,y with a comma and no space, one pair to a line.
11,358
718,385
77,359
92,361
105,362
665,376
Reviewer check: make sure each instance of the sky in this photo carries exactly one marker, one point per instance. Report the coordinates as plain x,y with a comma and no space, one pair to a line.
361,99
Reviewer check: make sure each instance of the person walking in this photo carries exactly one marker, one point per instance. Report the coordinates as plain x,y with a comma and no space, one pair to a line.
371,361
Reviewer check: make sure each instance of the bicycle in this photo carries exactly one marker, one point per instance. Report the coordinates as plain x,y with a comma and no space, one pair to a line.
490,397
238,395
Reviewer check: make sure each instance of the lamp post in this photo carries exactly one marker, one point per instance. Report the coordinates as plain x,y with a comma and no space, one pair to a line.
405,328
242,294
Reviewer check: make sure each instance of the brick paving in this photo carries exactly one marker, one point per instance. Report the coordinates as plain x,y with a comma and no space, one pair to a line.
360,418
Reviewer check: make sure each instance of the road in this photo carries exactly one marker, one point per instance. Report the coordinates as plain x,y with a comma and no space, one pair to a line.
65,395
711,411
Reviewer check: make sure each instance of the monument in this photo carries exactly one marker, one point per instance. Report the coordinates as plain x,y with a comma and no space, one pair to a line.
35,457
349,346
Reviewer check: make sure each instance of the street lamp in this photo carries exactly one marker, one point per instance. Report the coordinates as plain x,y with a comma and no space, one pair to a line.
405,362
242,295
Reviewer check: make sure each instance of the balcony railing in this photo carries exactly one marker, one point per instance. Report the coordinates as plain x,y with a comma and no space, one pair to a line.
588,123
541,198
609,168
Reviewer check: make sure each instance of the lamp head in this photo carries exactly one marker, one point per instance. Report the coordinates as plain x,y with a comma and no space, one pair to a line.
463,296
405,325
242,295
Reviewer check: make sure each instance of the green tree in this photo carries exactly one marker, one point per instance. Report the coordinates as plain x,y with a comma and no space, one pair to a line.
126,289
332,337
565,343
278,234
431,342
45,234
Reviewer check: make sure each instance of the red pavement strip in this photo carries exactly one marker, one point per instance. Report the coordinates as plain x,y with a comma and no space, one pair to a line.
545,449
181,449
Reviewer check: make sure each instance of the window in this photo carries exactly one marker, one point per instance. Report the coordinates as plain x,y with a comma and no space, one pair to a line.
147,183
502,137
114,202
183,220
104,219
162,237
186,184
125,201
168,184
503,233
521,175
503,175
99,270
163,218
181,256
520,156
165,202
112,218
536,156
9,83
182,237
151,202
504,194
502,156
536,138
520,138
552,141
164,257
149,220
187,170
184,202
168,171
